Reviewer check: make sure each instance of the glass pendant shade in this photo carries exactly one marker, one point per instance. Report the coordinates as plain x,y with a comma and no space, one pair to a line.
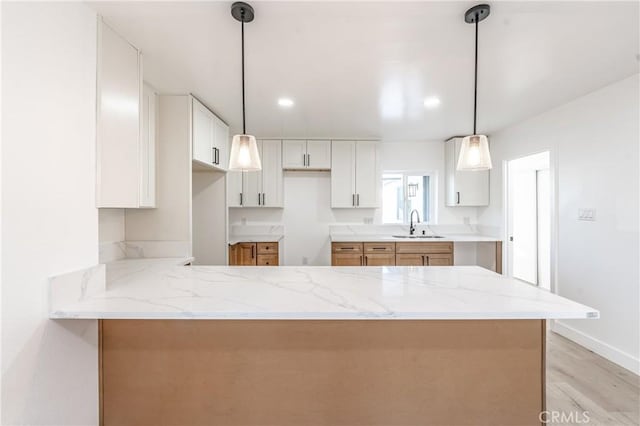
244,154
474,154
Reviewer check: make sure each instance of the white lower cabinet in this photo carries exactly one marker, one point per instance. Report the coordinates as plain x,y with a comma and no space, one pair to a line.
264,188
463,188
355,174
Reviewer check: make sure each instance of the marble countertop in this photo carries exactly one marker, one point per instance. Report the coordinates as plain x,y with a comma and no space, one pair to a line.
351,238
160,289
266,238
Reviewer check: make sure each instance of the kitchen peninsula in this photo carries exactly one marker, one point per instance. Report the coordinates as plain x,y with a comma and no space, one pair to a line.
314,345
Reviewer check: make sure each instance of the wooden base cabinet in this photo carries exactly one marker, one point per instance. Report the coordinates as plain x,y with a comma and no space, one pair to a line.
252,254
392,254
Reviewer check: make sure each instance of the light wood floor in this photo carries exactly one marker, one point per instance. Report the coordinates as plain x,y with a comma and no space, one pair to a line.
578,380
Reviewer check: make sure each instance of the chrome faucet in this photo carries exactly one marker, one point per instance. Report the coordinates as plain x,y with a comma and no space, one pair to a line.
412,226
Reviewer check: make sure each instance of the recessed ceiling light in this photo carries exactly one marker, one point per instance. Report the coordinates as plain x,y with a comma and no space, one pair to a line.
432,102
285,102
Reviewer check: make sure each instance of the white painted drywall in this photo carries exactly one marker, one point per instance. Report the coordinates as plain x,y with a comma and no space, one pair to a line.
49,219
307,199
593,142
110,225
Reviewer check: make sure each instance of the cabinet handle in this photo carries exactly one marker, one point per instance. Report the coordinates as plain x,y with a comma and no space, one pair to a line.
353,200
378,248
361,262
241,198
304,160
427,260
259,199
253,250
457,197
366,260
358,200
263,197
308,160
346,248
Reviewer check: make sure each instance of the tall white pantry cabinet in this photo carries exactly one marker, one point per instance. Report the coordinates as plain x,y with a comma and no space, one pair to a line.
355,174
125,125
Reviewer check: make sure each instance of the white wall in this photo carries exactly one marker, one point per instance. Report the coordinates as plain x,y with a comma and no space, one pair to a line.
49,219
110,225
307,199
593,142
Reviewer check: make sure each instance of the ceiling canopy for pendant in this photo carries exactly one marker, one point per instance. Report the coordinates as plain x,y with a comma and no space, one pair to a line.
244,149
474,152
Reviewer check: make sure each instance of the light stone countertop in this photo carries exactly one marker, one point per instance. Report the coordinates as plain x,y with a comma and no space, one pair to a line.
266,238
162,289
352,238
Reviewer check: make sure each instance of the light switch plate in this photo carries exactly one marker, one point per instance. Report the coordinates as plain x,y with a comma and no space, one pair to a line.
587,214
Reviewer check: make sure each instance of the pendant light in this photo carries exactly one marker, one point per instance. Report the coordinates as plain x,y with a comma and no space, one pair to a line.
474,152
244,149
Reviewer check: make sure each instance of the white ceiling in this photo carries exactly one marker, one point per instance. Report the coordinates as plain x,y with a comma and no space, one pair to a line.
364,69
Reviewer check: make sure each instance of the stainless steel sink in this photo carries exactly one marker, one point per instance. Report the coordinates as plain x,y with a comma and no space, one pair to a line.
417,236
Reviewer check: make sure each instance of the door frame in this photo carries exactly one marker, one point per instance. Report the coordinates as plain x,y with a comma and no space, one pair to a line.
553,208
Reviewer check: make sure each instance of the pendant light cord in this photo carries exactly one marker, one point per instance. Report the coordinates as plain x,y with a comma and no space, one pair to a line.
475,82
244,126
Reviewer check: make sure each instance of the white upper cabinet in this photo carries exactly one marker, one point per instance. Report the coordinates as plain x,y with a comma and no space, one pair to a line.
306,154
148,147
119,121
294,154
319,155
263,188
463,188
210,138
355,174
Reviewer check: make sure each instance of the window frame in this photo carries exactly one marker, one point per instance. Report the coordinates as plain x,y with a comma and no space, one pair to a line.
432,199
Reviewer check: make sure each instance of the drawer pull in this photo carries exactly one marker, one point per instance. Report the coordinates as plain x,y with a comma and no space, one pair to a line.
347,248
379,248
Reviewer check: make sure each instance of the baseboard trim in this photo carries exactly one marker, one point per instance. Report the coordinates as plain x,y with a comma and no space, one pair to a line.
603,349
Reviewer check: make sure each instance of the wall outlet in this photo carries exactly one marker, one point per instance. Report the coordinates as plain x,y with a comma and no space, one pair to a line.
305,260
587,214
368,220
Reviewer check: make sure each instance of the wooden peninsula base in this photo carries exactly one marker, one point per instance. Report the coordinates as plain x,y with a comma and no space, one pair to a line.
321,372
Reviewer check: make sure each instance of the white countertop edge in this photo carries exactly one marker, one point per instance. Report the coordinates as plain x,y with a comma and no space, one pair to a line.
266,238
350,238
301,316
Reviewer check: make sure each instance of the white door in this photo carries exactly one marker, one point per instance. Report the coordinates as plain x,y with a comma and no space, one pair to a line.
220,143
148,148
118,120
343,174
234,188
294,154
252,184
203,133
319,155
272,177
367,176
524,225
544,228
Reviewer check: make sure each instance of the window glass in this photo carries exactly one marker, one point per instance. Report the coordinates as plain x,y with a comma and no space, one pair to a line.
404,192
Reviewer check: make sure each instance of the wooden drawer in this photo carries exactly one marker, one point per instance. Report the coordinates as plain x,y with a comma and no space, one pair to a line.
424,247
409,260
346,247
438,260
380,259
379,247
346,259
268,248
267,260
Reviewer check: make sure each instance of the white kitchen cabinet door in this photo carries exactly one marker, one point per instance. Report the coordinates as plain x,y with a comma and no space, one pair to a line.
221,142
203,133
463,188
148,148
343,174
252,184
294,154
234,188
367,174
319,155
118,120
272,176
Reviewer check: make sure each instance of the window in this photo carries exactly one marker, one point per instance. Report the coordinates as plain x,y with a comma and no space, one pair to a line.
403,192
